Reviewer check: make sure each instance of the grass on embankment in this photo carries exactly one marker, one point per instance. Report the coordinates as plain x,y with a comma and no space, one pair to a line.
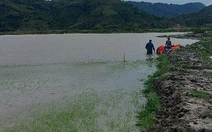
200,94
146,118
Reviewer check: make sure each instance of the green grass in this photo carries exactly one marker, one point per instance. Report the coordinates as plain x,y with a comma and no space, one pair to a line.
146,116
200,94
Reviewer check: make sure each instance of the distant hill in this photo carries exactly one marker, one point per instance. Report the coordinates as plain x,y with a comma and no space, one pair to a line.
168,10
203,18
74,15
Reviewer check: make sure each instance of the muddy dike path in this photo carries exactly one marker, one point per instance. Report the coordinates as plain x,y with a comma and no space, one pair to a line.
184,88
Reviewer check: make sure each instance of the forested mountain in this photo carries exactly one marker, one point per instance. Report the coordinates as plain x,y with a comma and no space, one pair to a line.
74,15
202,18
168,10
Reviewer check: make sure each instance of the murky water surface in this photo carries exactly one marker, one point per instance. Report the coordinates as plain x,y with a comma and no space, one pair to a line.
41,71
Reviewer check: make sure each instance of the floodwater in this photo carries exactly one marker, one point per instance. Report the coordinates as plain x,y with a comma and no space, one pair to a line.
38,72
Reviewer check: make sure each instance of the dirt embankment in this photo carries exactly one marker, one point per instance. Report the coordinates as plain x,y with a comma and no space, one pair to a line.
186,91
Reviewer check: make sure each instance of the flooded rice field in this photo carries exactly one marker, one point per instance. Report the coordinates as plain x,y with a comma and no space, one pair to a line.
74,82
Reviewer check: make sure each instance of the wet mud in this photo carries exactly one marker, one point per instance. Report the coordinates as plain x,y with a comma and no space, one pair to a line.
182,110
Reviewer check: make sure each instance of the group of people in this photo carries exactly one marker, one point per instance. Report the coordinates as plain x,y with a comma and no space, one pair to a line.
150,46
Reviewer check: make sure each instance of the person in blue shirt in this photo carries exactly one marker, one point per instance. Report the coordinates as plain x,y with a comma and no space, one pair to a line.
150,47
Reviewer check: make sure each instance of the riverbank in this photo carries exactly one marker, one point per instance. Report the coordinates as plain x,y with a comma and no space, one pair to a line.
21,32
183,85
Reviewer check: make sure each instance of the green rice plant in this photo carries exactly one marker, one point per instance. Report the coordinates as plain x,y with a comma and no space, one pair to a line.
200,94
153,102
146,116
146,120
77,115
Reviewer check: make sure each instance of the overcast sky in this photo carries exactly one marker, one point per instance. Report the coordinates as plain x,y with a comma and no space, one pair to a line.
206,2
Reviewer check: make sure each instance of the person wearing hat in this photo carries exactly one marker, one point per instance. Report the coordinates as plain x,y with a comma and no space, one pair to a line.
150,47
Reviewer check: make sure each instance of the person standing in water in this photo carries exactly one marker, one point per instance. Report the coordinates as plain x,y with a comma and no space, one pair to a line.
150,47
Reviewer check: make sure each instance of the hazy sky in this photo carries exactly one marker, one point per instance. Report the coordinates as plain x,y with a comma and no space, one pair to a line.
206,2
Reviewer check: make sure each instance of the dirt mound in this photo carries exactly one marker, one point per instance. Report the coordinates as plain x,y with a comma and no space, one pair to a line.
185,92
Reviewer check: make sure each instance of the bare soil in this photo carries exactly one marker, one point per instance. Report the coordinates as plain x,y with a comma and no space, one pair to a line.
182,112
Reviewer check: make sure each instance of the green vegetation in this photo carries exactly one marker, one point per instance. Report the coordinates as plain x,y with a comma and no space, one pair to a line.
168,10
74,15
146,118
200,94
199,30
206,49
105,16
94,16
86,112
78,115
196,19
17,32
